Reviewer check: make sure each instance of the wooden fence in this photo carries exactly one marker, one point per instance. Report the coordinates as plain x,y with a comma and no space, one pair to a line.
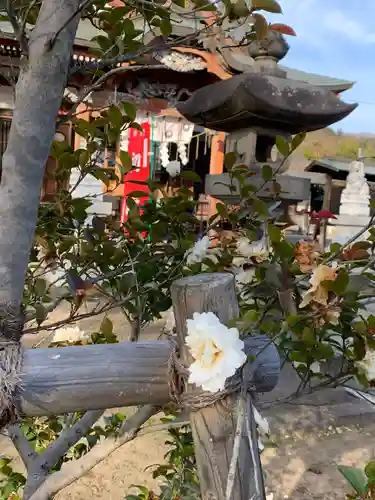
70,379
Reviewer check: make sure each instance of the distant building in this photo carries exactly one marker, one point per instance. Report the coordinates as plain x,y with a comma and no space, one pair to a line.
185,68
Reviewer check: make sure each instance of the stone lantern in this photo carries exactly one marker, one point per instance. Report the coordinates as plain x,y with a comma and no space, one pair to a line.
255,107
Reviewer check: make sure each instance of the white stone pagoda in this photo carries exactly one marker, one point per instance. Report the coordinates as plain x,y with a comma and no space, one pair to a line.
355,198
354,213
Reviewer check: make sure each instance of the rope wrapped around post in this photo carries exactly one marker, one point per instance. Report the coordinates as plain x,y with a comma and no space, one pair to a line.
260,375
11,326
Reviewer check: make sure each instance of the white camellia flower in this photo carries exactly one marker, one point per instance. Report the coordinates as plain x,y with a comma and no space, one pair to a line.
199,251
245,276
70,334
367,365
247,249
173,168
216,349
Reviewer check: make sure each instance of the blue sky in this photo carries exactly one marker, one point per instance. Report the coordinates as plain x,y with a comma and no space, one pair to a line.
336,38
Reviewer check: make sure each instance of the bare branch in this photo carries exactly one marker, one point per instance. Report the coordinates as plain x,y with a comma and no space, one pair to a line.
69,437
24,22
48,308
22,445
41,465
83,5
71,471
18,31
181,421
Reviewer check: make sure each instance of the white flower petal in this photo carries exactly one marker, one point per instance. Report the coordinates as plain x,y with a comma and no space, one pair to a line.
216,349
69,334
367,365
173,167
315,367
262,423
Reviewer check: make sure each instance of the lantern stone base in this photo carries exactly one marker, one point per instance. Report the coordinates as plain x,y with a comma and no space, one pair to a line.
292,189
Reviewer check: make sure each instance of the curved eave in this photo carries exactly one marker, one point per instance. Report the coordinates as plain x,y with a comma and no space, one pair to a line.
270,102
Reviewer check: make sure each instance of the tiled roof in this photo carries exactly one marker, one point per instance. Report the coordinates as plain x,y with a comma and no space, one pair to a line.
339,165
86,32
320,80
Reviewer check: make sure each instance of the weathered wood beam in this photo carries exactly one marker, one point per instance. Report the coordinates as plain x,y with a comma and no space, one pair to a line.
69,379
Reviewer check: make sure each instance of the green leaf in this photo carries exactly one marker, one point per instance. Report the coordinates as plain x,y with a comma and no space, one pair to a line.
4,461
282,145
222,210
260,26
298,140
322,351
355,477
138,194
308,335
230,160
69,160
274,233
40,287
360,327
335,248
40,313
284,249
106,327
370,469
272,276
126,161
102,174
166,27
137,126
84,157
103,42
340,284
115,116
130,110
260,207
371,321
267,172
143,489
267,5
188,175
127,281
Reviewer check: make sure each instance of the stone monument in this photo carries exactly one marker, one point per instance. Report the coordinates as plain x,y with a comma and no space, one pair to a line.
355,198
354,213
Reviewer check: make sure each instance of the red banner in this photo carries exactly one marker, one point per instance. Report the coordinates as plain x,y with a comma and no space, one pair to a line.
139,149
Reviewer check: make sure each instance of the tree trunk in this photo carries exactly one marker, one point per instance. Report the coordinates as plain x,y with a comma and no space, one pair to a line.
39,92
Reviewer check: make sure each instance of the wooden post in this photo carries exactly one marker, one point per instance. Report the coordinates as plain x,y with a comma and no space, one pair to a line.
214,427
326,206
